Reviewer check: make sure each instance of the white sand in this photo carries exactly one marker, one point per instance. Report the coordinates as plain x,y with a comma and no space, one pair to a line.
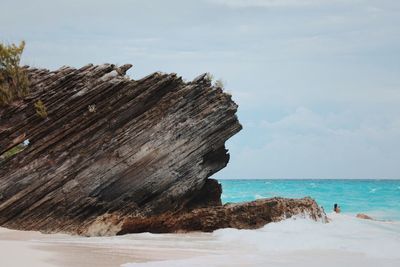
33,249
17,251
346,241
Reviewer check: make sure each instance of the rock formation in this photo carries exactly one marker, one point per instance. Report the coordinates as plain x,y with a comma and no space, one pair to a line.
364,216
249,215
110,150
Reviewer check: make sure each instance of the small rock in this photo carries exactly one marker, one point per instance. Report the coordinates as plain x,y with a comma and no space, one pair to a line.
364,216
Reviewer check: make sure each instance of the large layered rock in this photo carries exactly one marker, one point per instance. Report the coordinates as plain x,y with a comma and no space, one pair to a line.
112,150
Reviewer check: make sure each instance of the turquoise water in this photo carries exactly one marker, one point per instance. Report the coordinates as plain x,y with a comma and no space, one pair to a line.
377,198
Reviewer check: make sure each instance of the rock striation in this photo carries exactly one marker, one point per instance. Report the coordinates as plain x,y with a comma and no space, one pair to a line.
116,155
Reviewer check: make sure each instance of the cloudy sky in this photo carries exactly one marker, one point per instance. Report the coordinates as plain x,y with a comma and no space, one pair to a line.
317,81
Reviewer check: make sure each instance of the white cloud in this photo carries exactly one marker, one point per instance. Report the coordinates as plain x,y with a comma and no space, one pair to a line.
275,3
316,80
305,144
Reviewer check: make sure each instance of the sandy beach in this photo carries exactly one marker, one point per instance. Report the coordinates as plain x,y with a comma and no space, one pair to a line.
33,249
346,240
17,250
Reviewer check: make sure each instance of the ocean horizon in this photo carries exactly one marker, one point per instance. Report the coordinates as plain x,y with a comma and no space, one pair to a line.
293,242
296,241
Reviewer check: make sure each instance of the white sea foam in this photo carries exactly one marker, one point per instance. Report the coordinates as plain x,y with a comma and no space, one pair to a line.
258,196
297,242
313,185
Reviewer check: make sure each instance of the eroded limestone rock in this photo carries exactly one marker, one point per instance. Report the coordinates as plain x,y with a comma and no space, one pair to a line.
109,143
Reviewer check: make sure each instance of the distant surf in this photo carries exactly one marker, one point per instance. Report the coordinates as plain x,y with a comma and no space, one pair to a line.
377,198
345,241
295,242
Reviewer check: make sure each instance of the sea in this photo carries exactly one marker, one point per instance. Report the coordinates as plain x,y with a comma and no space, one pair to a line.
294,242
379,199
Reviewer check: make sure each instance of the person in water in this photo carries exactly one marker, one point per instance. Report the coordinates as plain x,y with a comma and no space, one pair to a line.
336,208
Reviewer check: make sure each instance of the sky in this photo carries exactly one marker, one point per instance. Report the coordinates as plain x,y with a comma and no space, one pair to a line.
317,81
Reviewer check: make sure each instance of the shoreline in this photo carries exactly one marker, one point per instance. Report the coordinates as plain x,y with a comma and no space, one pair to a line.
344,241
62,250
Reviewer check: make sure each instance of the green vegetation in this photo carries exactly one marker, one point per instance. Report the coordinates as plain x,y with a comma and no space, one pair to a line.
219,83
13,151
41,109
13,79
92,108
209,76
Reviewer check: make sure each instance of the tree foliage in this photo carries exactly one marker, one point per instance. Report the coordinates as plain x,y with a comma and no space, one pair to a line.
13,79
219,83
41,109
